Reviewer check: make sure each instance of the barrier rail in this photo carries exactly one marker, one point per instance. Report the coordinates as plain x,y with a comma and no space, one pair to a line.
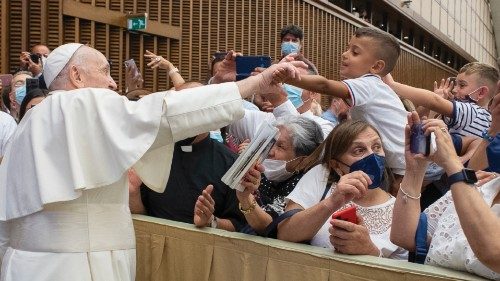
168,250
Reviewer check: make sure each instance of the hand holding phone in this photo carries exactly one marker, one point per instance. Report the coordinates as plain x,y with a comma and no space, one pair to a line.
132,67
31,84
419,142
348,214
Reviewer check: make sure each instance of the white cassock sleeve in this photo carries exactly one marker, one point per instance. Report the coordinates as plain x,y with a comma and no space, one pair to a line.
88,138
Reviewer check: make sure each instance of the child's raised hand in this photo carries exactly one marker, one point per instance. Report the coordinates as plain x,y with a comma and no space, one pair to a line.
445,89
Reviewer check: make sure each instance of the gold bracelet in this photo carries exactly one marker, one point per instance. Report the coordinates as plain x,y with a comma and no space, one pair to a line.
250,209
406,195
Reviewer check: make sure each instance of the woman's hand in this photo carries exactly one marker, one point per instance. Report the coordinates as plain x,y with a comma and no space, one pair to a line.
445,155
353,239
158,61
415,163
251,182
204,208
350,186
242,146
484,177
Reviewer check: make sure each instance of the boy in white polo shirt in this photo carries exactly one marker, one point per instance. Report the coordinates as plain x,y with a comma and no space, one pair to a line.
371,54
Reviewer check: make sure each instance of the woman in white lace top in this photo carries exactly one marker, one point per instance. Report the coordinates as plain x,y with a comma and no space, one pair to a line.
463,225
349,172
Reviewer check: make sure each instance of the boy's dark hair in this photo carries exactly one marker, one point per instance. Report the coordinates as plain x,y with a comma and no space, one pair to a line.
388,49
291,29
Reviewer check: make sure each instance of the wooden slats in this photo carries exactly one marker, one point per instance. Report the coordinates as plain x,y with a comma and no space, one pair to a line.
205,26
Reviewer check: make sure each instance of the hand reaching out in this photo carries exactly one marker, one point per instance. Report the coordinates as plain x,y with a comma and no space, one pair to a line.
226,72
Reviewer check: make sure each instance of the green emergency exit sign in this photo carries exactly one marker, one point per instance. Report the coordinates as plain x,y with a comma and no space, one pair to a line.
137,22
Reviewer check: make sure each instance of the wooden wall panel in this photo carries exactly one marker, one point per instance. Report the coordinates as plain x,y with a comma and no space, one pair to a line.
207,26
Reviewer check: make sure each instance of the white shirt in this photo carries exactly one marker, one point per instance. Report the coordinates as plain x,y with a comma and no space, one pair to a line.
7,127
65,193
378,219
469,119
376,103
449,246
246,127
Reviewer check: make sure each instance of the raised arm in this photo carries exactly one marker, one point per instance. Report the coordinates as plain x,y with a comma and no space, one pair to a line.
407,207
161,62
476,218
256,217
479,161
421,97
264,82
314,83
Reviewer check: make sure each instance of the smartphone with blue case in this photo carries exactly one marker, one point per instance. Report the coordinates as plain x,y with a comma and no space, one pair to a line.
245,65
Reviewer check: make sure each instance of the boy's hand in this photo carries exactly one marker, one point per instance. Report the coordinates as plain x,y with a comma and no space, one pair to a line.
445,89
274,74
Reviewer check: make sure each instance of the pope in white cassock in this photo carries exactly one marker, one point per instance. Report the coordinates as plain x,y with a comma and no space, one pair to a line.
63,179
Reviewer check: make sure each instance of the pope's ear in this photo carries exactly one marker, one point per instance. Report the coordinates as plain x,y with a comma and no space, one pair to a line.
75,77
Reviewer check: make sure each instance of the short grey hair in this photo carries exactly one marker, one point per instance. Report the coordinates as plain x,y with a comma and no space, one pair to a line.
306,134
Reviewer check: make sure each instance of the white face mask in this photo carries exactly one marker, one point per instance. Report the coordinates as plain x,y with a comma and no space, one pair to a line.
275,170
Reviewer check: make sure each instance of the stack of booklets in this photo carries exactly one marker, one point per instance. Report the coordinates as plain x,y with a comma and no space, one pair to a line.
257,150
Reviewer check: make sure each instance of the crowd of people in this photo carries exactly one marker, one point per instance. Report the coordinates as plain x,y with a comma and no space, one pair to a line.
77,159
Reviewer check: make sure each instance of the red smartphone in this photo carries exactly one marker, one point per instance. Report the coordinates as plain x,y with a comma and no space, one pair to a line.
348,214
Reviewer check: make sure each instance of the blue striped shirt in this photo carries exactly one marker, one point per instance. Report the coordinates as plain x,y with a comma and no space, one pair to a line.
469,119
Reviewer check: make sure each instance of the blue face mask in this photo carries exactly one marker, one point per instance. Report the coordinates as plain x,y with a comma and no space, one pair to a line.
20,94
289,48
294,95
373,165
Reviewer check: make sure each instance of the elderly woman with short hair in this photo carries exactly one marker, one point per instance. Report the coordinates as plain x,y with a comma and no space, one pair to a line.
263,198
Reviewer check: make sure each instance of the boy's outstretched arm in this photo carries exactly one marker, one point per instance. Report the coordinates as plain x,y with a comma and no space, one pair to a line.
421,97
315,83
319,84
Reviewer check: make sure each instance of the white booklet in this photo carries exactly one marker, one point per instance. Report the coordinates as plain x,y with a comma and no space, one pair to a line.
258,149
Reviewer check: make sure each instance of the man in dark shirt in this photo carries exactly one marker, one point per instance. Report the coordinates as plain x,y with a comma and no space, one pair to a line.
196,164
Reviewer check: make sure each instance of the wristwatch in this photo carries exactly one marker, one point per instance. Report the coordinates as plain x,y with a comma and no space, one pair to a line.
487,136
466,175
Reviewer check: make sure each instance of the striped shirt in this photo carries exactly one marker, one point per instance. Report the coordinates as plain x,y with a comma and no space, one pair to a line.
469,119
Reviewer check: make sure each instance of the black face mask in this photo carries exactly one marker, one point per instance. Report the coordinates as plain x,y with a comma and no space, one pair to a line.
186,142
